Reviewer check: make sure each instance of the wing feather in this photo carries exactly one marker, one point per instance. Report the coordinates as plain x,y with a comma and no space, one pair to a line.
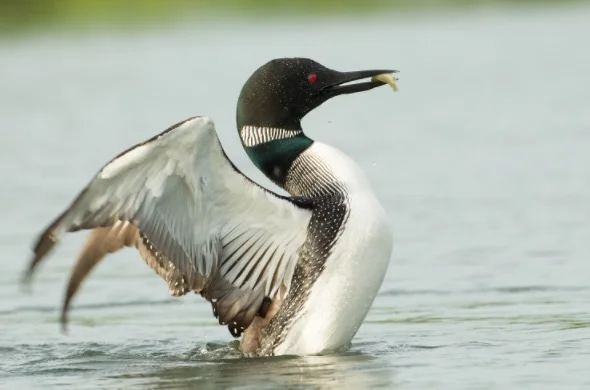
194,218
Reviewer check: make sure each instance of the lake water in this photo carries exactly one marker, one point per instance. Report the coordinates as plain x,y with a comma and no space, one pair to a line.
482,161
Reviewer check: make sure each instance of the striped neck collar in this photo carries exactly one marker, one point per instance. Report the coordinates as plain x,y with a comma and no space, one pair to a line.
256,135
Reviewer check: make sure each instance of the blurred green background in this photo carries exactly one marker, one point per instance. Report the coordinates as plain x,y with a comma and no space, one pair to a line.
26,15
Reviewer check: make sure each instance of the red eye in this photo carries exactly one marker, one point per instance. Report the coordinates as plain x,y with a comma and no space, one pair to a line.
312,78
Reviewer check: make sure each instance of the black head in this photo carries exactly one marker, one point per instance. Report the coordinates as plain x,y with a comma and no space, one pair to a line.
281,92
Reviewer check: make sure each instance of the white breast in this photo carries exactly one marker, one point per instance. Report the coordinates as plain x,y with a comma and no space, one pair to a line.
354,271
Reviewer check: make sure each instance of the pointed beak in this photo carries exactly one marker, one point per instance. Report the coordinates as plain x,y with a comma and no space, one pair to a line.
344,82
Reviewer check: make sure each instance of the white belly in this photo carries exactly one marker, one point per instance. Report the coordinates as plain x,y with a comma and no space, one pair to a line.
343,294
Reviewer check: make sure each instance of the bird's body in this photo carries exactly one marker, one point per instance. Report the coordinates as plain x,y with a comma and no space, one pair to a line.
331,294
343,292
293,275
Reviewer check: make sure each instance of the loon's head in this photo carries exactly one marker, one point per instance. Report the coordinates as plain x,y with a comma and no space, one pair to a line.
281,92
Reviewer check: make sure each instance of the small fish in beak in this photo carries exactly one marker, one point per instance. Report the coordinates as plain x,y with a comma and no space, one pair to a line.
386,78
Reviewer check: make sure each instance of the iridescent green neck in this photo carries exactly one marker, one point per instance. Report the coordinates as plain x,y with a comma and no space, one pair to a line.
275,157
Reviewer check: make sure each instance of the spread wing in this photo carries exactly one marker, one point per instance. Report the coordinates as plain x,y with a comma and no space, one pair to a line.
195,219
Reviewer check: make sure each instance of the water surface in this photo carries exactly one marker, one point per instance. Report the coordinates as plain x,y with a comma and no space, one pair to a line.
482,161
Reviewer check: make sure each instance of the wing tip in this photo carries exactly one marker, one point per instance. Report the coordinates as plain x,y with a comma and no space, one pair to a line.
41,249
63,318
44,244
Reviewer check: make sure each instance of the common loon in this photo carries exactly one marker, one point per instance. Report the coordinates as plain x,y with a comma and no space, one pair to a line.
292,274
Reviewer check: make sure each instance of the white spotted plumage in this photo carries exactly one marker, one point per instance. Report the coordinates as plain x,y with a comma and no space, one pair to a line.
341,296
